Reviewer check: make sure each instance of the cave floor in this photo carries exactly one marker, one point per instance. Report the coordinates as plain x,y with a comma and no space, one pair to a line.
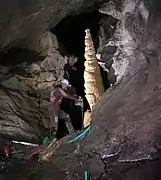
33,170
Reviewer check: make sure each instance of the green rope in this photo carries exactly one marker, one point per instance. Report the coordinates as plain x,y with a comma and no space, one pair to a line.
86,175
80,135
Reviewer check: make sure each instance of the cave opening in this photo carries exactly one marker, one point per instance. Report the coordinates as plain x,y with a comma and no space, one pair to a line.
70,33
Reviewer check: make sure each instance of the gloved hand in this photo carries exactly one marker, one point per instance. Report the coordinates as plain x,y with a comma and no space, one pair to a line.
79,101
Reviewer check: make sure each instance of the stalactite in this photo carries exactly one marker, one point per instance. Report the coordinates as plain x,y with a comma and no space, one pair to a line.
93,81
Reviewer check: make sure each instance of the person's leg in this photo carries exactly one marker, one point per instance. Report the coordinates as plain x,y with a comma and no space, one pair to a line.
66,117
56,122
67,106
53,117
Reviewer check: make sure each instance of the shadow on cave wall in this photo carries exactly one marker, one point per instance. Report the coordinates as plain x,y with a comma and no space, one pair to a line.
16,56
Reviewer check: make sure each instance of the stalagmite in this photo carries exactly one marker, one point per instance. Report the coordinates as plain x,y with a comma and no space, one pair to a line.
93,81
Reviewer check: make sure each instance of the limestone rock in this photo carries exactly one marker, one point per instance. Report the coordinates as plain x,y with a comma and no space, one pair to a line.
113,8
43,43
46,76
72,60
34,68
52,60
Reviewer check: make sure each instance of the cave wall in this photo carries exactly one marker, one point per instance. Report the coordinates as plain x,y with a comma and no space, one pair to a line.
129,111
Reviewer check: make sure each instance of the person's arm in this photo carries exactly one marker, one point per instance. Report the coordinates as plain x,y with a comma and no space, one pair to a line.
68,95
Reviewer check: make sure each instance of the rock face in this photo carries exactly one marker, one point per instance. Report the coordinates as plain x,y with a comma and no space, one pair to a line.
25,88
129,112
131,107
112,8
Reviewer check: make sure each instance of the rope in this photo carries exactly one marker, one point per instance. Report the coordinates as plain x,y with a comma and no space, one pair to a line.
85,131
47,153
86,175
35,151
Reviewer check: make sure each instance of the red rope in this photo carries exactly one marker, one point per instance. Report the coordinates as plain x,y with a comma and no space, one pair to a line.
35,151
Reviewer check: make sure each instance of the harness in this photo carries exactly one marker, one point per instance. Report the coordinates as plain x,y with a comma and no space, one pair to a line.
56,96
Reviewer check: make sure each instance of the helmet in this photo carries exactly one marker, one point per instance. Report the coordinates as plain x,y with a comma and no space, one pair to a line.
65,81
